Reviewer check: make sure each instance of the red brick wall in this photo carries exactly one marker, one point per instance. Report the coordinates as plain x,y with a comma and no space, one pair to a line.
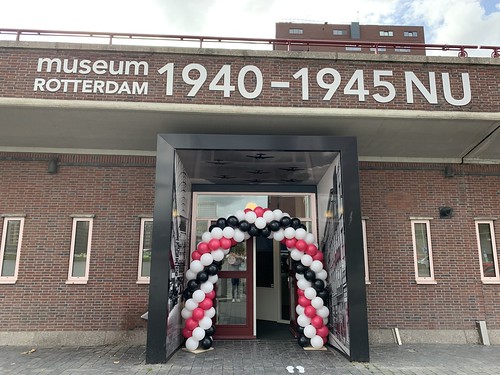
390,194
116,190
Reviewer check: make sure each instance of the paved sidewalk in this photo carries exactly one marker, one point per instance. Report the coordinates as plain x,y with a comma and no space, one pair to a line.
259,357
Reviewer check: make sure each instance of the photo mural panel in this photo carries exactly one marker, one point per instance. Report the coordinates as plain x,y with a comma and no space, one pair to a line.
180,240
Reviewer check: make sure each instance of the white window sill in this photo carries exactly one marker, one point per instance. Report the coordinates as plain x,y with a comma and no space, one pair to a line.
8,281
142,282
367,282
426,282
69,282
497,281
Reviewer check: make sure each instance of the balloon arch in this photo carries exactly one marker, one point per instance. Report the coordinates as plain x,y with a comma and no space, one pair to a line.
307,262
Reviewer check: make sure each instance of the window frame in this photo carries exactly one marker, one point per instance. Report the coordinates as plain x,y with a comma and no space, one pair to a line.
422,279
486,279
410,34
339,32
142,279
295,31
80,279
11,279
386,33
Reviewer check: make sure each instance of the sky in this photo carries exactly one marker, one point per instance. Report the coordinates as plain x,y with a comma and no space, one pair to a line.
475,22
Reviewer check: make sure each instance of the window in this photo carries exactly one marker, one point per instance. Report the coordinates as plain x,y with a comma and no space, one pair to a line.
412,34
378,49
353,48
365,248
386,33
145,245
422,251
295,31
487,251
339,32
10,249
79,260
402,49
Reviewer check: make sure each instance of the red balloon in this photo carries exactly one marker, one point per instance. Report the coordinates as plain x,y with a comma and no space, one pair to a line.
225,243
311,250
290,243
196,255
301,245
322,331
203,248
259,211
206,304
310,311
214,244
267,209
325,339
300,292
234,242
187,333
283,241
246,210
304,301
318,256
198,314
191,324
317,321
211,295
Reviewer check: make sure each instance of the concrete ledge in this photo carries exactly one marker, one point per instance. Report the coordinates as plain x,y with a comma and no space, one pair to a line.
73,338
385,336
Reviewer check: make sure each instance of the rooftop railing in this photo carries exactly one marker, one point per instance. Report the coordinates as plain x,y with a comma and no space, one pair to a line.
203,41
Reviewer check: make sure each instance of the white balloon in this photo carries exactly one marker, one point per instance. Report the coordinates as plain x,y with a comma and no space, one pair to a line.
240,215
279,234
310,293
303,284
300,233
207,259
186,313
296,254
191,304
317,342
316,266
325,321
250,216
317,302
228,232
271,236
207,287
260,223
299,276
239,236
199,333
210,313
196,266
198,295
226,251
206,237
192,344
309,331
278,214
286,214
323,312
322,275
247,236
309,238
303,320
190,275
306,260
289,233
213,279
216,233
217,255
205,322
299,310
268,216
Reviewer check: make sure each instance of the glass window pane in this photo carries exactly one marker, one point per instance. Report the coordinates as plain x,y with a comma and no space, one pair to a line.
486,250
264,262
10,250
231,300
422,244
80,249
236,260
295,206
147,244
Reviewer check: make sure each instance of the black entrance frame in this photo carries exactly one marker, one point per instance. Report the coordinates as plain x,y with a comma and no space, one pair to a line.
167,144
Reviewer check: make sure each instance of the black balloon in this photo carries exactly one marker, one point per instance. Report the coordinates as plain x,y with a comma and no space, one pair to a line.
221,223
309,275
187,294
303,226
212,227
304,341
218,263
265,232
212,269
232,221
319,285
300,268
244,226
202,276
285,221
295,223
253,231
193,285
300,329
274,225
323,294
206,343
210,332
